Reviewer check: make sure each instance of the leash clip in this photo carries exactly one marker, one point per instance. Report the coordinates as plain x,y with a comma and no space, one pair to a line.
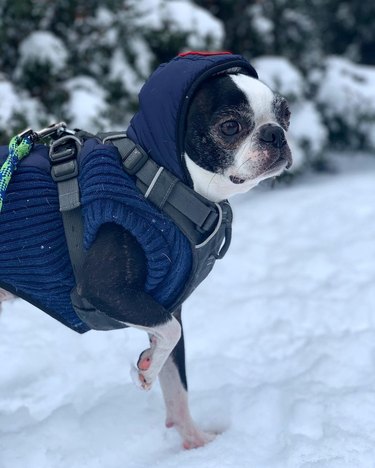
56,128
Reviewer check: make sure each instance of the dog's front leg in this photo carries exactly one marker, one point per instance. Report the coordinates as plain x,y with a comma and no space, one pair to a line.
113,281
163,338
174,386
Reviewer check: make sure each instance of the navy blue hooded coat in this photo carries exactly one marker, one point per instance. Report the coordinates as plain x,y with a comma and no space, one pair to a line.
34,260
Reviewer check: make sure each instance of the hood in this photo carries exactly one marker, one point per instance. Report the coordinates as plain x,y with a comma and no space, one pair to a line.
159,125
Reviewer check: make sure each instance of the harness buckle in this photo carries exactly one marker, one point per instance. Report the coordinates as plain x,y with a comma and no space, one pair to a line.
134,160
209,222
63,156
64,170
133,157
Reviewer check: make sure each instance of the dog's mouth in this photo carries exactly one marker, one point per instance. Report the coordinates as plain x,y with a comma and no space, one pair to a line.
276,165
280,161
236,180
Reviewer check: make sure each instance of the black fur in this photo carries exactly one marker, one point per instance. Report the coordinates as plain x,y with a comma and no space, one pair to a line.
114,277
207,112
115,274
115,269
178,354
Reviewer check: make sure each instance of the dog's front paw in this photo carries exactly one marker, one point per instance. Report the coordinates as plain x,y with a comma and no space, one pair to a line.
145,358
140,379
145,374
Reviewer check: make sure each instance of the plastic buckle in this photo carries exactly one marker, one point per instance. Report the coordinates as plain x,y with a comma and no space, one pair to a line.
133,157
111,136
64,171
63,155
210,222
134,160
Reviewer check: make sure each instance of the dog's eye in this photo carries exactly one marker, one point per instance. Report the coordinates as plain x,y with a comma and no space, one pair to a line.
230,127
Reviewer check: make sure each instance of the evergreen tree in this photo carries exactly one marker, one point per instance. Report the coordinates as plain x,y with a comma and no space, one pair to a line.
54,56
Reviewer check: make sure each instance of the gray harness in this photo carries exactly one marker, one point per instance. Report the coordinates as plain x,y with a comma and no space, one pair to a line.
206,225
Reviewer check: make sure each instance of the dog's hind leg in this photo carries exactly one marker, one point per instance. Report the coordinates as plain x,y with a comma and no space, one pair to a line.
174,386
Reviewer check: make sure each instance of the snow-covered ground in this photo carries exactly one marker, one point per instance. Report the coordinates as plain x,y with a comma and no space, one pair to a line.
280,351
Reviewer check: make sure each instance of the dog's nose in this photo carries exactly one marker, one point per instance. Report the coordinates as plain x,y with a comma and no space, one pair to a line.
270,133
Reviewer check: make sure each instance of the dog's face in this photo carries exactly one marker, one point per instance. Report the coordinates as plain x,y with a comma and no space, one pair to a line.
235,136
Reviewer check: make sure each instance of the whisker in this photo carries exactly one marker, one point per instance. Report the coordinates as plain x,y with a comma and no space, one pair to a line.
245,150
247,160
209,183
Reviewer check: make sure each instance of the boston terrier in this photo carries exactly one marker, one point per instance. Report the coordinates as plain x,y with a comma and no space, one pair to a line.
235,137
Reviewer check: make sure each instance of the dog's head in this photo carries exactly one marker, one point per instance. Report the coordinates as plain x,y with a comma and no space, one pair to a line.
206,118
235,135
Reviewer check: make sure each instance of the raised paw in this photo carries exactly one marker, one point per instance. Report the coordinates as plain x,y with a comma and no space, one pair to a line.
163,338
140,379
142,375
144,360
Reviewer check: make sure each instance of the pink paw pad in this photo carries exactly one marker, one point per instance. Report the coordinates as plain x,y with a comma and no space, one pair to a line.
144,361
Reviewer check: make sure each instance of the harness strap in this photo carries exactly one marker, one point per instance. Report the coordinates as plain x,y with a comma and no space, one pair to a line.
198,218
195,215
63,154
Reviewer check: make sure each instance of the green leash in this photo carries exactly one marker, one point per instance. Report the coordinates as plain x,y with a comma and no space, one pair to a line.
20,146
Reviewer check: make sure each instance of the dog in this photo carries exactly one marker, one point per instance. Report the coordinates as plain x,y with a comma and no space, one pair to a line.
234,137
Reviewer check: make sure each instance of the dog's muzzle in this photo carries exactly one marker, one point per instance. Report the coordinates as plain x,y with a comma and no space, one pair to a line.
274,135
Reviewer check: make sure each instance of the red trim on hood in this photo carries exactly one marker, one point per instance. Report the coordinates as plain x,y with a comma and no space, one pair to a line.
204,53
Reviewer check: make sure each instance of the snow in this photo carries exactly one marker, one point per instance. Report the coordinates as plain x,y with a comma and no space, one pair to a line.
280,351
348,88
121,70
15,103
86,105
308,129
261,23
9,102
308,134
44,47
347,92
279,74
181,16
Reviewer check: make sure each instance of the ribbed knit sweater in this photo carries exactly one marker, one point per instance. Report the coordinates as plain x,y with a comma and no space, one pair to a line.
34,259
